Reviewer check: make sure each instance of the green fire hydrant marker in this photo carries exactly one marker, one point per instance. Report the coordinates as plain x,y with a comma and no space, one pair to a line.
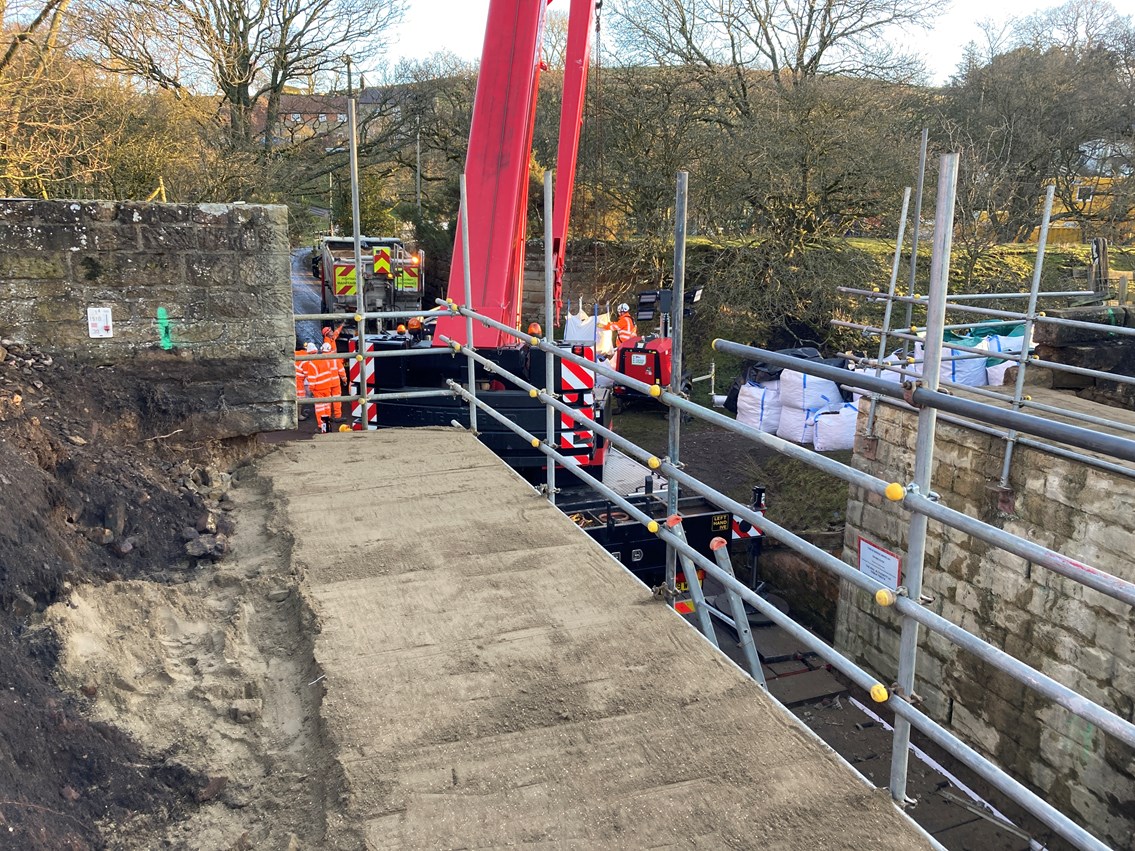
164,329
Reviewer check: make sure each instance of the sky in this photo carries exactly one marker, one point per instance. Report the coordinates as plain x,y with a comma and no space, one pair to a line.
458,26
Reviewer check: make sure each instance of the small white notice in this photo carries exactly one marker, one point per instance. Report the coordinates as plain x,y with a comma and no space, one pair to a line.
99,323
881,565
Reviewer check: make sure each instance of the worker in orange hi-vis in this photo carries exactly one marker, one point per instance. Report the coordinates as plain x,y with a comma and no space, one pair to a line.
330,335
325,384
337,385
306,375
624,326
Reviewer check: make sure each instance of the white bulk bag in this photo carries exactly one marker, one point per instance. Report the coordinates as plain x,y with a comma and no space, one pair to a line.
1004,344
995,375
581,330
964,367
758,405
807,392
795,425
835,429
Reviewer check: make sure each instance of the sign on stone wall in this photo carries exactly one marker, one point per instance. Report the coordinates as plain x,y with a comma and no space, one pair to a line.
99,322
881,565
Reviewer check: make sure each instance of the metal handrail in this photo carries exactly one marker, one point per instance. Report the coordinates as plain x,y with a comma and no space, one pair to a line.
948,741
1008,315
1069,568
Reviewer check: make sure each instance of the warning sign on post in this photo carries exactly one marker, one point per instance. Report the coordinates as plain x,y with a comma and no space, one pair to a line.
881,565
99,323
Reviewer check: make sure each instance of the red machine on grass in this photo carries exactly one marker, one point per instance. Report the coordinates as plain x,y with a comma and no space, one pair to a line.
649,358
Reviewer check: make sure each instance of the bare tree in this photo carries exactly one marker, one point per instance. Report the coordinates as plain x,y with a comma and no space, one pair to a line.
793,39
1051,99
45,18
248,51
803,91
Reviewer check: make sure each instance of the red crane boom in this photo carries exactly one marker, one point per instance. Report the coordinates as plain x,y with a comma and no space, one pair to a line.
497,163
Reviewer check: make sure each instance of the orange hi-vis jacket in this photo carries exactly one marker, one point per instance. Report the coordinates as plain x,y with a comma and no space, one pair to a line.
326,382
625,328
306,371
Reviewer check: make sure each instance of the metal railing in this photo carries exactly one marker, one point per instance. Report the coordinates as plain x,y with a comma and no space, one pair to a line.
915,497
362,356
988,317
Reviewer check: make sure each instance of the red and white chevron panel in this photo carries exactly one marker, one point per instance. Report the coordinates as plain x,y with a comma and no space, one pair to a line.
743,529
576,377
577,383
355,370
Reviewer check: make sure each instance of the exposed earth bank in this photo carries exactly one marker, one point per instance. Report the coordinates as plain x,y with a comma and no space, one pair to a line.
143,644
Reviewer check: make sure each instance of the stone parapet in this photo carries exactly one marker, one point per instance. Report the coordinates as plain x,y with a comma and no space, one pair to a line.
1076,635
203,290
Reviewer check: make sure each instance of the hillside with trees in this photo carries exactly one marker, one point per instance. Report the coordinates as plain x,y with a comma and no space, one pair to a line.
798,123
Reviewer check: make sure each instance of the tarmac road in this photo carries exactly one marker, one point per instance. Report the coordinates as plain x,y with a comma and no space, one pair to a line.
305,295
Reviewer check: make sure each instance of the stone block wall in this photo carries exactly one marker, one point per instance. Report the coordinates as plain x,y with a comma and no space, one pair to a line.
200,297
1078,636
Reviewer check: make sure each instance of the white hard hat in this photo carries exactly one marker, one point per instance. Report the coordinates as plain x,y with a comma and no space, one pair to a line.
624,308
310,348
326,347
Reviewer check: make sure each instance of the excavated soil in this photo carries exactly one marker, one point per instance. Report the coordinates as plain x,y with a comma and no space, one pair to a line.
150,668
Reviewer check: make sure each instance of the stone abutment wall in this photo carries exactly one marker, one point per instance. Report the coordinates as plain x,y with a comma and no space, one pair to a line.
199,299
1078,636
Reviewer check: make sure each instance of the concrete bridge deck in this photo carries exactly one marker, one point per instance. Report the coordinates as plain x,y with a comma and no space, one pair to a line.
494,678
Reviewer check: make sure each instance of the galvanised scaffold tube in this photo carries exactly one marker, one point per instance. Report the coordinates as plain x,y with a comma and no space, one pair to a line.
916,232
890,304
1033,360
720,548
1025,402
1039,682
1027,799
356,224
1052,449
1083,438
1058,563
549,314
358,356
1011,316
468,281
924,459
677,313
375,397
380,314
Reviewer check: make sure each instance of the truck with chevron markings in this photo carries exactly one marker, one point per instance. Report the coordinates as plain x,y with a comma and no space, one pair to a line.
393,277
